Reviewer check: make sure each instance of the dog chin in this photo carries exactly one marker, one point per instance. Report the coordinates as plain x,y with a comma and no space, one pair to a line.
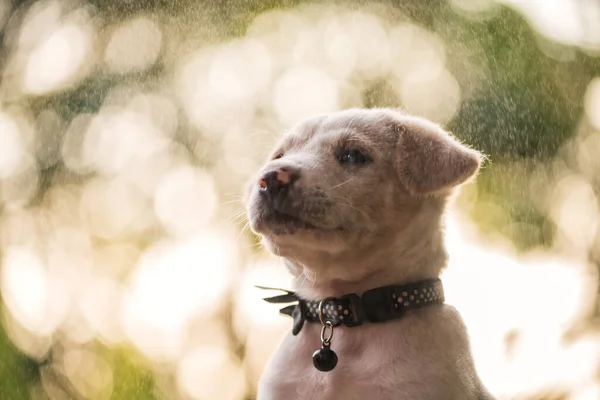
298,245
296,242
288,229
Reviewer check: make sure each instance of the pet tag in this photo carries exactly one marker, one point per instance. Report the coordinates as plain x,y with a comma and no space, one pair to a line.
325,359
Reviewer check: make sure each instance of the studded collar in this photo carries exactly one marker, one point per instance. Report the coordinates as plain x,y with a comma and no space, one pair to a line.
376,305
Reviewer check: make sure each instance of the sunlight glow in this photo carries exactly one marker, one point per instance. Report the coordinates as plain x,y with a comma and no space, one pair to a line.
418,97
56,60
173,282
575,193
27,291
592,102
113,208
100,304
565,21
115,140
12,151
89,373
185,200
133,46
370,40
302,92
218,84
210,373
512,302
116,209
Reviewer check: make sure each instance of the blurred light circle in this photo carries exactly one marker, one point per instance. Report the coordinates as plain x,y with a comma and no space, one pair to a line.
146,173
19,227
41,19
69,254
100,305
371,43
89,373
240,70
133,46
174,281
34,344
341,53
13,150
587,391
25,290
587,157
221,87
302,92
185,200
417,54
562,21
114,140
437,99
574,209
60,208
208,373
112,208
57,59
592,102
20,188
159,109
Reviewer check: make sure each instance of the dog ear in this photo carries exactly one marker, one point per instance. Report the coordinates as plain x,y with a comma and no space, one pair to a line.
429,160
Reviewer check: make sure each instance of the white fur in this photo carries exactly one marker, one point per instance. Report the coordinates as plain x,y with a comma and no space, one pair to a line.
424,355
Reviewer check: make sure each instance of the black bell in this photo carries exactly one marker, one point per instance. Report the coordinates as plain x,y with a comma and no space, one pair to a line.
324,359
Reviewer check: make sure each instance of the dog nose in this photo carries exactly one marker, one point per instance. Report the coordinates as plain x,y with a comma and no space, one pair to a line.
277,179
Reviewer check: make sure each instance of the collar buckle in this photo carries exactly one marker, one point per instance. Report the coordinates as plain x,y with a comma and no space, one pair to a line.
378,304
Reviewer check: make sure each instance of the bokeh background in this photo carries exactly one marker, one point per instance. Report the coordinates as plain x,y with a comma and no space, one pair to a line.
128,129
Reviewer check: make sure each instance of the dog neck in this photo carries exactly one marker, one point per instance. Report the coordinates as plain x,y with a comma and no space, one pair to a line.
412,256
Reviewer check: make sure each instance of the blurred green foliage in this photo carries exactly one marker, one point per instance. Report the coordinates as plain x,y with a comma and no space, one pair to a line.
18,373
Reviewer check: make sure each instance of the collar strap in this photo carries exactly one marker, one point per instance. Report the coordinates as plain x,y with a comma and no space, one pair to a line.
376,305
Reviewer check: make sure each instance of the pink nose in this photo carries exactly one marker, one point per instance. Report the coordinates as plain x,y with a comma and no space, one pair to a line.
276,179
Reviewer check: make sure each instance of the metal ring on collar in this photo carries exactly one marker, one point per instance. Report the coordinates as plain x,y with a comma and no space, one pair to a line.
327,340
320,309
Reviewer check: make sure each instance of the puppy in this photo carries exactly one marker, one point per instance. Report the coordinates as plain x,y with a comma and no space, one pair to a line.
352,201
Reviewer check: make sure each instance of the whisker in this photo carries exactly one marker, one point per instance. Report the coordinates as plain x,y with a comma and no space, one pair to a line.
238,217
239,221
242,231
340,184
230,201
257,246
234,195
239,210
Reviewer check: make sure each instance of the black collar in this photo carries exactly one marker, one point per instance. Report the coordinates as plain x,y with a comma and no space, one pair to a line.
376,305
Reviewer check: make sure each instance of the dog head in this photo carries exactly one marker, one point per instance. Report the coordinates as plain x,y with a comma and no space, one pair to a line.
346,183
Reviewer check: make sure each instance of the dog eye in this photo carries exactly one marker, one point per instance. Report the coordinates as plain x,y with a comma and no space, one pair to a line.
278,156
353,156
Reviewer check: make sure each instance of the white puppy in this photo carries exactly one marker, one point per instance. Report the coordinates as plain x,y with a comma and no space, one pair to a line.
353,201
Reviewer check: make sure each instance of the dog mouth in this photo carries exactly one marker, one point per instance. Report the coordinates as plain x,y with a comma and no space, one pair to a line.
278,218
290,214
